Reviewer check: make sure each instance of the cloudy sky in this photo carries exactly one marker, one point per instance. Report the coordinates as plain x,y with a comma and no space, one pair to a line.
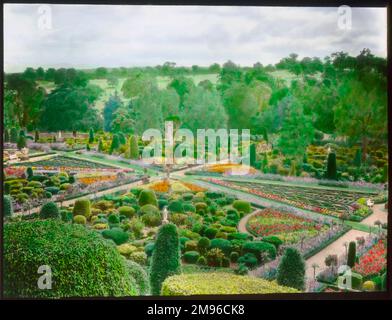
89,36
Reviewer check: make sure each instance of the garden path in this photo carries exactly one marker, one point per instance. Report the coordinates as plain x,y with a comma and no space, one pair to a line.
379,213
337,247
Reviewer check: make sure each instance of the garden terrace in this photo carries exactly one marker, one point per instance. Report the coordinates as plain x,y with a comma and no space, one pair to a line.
325,201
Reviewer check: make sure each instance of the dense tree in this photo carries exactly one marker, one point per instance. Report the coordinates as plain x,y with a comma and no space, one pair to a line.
296,132
111,106
76,107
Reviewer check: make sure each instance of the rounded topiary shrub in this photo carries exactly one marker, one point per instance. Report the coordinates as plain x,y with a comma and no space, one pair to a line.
223,244
82,207
147,197
79,219
243,206
176,206
149,208
165,259
49,211
7,206
114,219
118,235
369,286
126,211
81,262
201,261
191,256
277,242
249,260
258,248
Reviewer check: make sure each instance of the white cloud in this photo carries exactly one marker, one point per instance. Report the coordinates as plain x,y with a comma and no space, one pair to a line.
90,36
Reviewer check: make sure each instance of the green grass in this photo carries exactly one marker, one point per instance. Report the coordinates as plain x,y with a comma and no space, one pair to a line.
163,81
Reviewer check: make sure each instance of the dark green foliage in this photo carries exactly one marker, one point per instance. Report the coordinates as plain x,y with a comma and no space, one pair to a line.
202,261
222,244
241,270
358,158
21,142
331,172
91,136
36,136
75,254
352,253
121,138
116,234
258,248
14,135
147,197
7,206
49,211
356,281
114,219
225,262
210,232
29,172
176,206
239,236
149,248
291,270
53,190
6,135
191,256
214,194
242,205
165,259
115,143
189,207
277,242
162,203
82,207
203,244
252,154
100,145
66,215
249,260
133,148
140,276
234,256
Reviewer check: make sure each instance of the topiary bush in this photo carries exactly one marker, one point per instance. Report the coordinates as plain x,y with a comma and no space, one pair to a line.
147,197
79,219
369,286
249,260
152,219
176,206
331,172
82,207
203,244
113,219
66,215
352,254
291,270
210,233
117,235
49,211
277,242
126,211
243,206
214,257
234,256
75,254
165,259
191,256
202,261
222,244
258,248
7,206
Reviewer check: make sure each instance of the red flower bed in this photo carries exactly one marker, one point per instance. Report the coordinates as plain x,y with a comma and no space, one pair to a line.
373,261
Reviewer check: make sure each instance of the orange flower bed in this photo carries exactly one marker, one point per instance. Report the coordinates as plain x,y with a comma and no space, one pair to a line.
225,167
95,179
160,186
193,187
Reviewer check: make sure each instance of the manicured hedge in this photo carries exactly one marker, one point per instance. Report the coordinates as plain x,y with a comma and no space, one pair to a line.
117,235
82,263
49,211
140,276
147,197
219,283
7,206
82,207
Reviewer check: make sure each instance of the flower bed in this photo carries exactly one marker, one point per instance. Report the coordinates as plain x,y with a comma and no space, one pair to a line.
373,261
323,201
286,226
177,186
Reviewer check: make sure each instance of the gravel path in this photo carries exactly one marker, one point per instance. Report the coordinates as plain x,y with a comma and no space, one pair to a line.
379,213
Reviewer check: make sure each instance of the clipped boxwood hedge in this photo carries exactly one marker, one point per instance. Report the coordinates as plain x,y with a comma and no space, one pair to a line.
219,283
82,263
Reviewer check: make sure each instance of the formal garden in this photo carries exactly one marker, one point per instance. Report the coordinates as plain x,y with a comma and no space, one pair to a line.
306,212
